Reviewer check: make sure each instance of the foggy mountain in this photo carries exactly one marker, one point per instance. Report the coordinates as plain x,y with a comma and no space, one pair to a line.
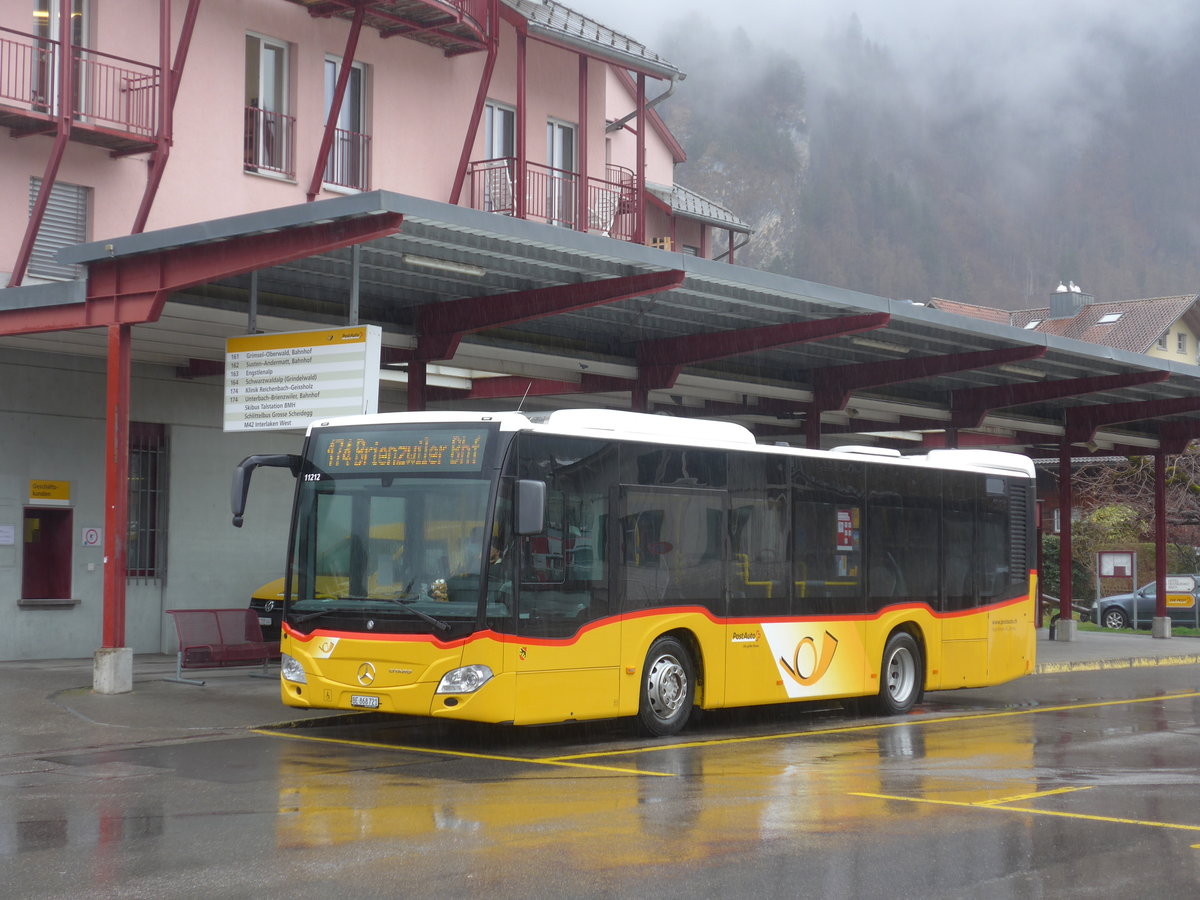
980,165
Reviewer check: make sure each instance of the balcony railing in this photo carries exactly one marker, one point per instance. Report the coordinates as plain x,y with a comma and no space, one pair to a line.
270,142
552,196
349,163
109,91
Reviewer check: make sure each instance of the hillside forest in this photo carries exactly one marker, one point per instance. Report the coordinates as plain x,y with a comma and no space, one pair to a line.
854,171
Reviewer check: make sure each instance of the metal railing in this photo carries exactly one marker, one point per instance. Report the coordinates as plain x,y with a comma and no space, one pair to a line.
349,162
108,90
270,139
116,91
25,67
551,195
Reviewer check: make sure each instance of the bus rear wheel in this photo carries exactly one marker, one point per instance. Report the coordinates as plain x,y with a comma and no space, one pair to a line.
668,688
901,675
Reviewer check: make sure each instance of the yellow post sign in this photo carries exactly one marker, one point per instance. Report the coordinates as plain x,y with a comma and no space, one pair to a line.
56,493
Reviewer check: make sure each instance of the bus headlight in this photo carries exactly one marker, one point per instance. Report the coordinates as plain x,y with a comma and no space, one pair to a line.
466,680
291,670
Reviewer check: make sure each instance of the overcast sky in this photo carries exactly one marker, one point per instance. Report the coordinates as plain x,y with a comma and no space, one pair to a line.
1046,65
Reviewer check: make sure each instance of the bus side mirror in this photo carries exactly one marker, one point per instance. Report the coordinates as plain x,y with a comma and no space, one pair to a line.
531,506
241,478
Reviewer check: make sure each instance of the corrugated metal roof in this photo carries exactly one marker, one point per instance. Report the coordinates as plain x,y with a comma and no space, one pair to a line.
565,24
986,313
510,257
688,203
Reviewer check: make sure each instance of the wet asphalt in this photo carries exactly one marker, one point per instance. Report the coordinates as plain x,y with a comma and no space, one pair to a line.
1060,783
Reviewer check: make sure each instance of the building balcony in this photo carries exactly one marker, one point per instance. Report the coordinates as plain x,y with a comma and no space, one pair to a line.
552,196
269,142
349,162
114,101
453,26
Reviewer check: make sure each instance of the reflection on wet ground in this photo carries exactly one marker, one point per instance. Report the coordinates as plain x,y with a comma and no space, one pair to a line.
1069,791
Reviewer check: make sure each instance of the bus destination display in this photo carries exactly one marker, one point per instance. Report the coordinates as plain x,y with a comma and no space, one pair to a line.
416,449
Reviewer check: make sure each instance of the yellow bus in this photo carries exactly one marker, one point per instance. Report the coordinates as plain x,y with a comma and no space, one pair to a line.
584,564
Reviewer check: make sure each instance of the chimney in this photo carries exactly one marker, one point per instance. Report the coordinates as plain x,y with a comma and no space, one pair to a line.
1067,300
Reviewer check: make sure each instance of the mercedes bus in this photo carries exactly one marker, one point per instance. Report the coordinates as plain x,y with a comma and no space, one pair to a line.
581,564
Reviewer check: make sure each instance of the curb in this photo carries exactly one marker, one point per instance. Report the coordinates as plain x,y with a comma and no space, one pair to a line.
1096,665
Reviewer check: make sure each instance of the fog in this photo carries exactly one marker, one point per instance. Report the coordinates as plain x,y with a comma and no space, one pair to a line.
1044,64
1033,140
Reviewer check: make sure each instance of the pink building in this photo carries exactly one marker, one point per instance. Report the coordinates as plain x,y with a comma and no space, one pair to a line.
516,107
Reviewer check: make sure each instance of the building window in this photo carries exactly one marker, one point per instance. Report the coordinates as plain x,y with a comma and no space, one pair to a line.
146,546
1109,318
1162,341
46,23
64,224
46,555
349,162
1029,326
269,130
560,179
1181,342
500,131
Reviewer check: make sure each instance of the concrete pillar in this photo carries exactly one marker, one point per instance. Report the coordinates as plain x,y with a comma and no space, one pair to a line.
1160,627
112,670
1066,630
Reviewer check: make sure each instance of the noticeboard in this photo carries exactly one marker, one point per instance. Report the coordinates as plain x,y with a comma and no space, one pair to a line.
284,381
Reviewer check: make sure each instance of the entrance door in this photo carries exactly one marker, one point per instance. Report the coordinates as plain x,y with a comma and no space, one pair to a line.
46,558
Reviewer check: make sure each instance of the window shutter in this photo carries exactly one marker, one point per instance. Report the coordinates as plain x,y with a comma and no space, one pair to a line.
63,225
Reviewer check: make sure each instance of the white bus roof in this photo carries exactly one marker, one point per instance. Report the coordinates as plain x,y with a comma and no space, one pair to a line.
693,432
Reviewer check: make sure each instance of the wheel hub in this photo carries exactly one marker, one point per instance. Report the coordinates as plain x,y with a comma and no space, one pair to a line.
666,685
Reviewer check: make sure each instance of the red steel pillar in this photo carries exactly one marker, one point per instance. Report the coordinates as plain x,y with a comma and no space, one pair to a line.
1160,545
116,484
581,160
1064,513
639,179
335,103
522,111
417,377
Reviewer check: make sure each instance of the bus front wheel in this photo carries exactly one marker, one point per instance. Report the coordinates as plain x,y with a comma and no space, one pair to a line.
901,676
668,688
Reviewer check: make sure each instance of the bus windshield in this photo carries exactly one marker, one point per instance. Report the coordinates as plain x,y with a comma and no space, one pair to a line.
379,548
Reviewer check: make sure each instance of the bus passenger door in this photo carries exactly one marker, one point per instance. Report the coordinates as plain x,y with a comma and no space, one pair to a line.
671,552
567,651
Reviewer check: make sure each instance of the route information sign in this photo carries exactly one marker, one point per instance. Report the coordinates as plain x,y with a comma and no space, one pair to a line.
284,381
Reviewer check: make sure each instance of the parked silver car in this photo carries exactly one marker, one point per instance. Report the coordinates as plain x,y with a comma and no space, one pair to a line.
1136,610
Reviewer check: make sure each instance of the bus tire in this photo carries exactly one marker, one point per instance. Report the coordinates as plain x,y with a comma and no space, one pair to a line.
668,688
901,675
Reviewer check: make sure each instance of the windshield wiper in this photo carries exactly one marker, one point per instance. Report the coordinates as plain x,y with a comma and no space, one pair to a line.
308,617
437,623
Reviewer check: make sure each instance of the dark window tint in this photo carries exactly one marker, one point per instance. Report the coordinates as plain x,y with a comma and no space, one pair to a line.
827,539
672,548
672,466
760,532
564,570
903,507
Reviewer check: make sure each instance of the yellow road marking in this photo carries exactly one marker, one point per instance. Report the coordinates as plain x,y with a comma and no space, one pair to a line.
372,745
1034,796
1032,811
874,726
573,760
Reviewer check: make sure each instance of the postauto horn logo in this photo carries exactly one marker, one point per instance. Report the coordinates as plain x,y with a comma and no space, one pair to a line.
808,663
